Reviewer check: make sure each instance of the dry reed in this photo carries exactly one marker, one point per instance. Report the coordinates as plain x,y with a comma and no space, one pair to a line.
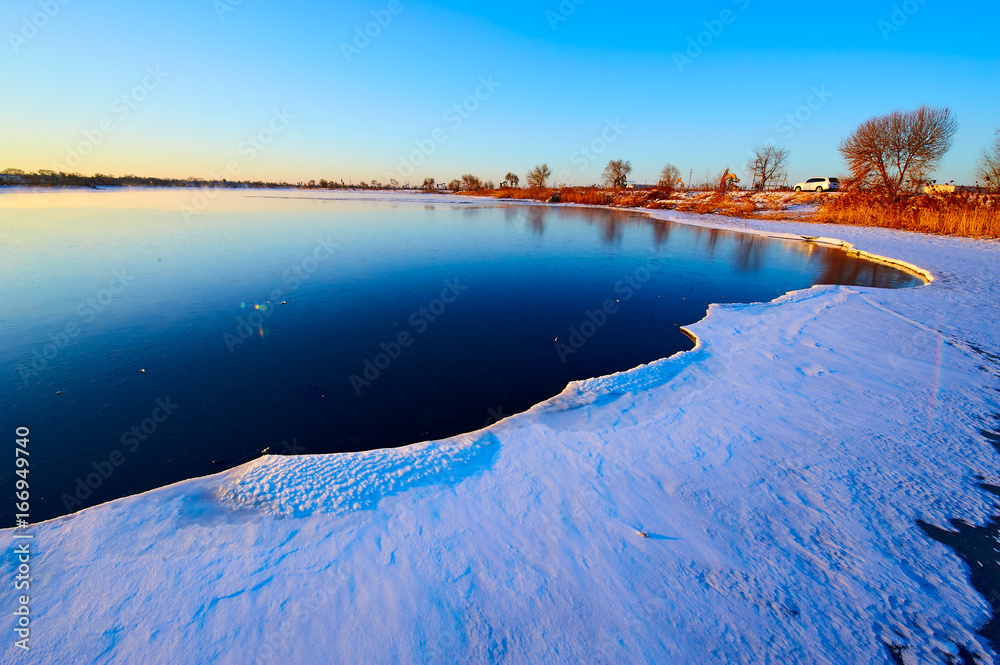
969,215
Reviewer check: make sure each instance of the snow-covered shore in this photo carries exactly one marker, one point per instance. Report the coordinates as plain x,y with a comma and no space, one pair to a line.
779,470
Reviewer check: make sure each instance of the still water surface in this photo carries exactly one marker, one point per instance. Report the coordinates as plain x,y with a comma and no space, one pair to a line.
148,347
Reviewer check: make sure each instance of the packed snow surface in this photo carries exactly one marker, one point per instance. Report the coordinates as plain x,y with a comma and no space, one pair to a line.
778,470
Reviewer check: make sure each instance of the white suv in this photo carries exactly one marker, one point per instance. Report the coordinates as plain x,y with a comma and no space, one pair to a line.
818,185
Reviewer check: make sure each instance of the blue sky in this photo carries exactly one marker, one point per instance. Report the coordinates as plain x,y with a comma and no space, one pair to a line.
573,85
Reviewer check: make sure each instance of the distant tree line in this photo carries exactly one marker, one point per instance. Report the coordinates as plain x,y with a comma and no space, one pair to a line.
892,153
46,178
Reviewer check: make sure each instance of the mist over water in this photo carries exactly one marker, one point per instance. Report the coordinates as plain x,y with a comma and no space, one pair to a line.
143,347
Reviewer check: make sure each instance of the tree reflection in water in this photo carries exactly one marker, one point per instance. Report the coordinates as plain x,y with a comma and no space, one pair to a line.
747,252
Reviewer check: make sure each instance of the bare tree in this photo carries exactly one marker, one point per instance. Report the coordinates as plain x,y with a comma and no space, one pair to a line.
989,164
512,179
429,185
917,179
883,151
767,165
538,176
471,183
455,185
670,176
616,173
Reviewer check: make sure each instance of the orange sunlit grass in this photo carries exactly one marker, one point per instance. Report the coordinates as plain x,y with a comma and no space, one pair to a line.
969,215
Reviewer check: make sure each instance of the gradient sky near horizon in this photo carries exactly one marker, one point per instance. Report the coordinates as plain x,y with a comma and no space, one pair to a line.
564,73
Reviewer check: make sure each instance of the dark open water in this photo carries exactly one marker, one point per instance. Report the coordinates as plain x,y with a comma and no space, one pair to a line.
320,326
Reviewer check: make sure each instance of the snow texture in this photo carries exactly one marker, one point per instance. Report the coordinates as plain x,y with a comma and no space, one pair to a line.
779,470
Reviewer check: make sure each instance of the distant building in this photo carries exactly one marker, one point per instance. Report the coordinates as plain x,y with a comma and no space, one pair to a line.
948,189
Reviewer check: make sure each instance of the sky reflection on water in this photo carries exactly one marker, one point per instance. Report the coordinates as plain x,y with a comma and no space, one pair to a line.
253,317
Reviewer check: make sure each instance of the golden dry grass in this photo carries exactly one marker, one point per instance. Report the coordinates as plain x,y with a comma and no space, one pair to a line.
581,195
729,204
586,196
530,193
968,215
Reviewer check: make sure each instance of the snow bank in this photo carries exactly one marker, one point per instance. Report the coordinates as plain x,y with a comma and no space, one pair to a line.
778,469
